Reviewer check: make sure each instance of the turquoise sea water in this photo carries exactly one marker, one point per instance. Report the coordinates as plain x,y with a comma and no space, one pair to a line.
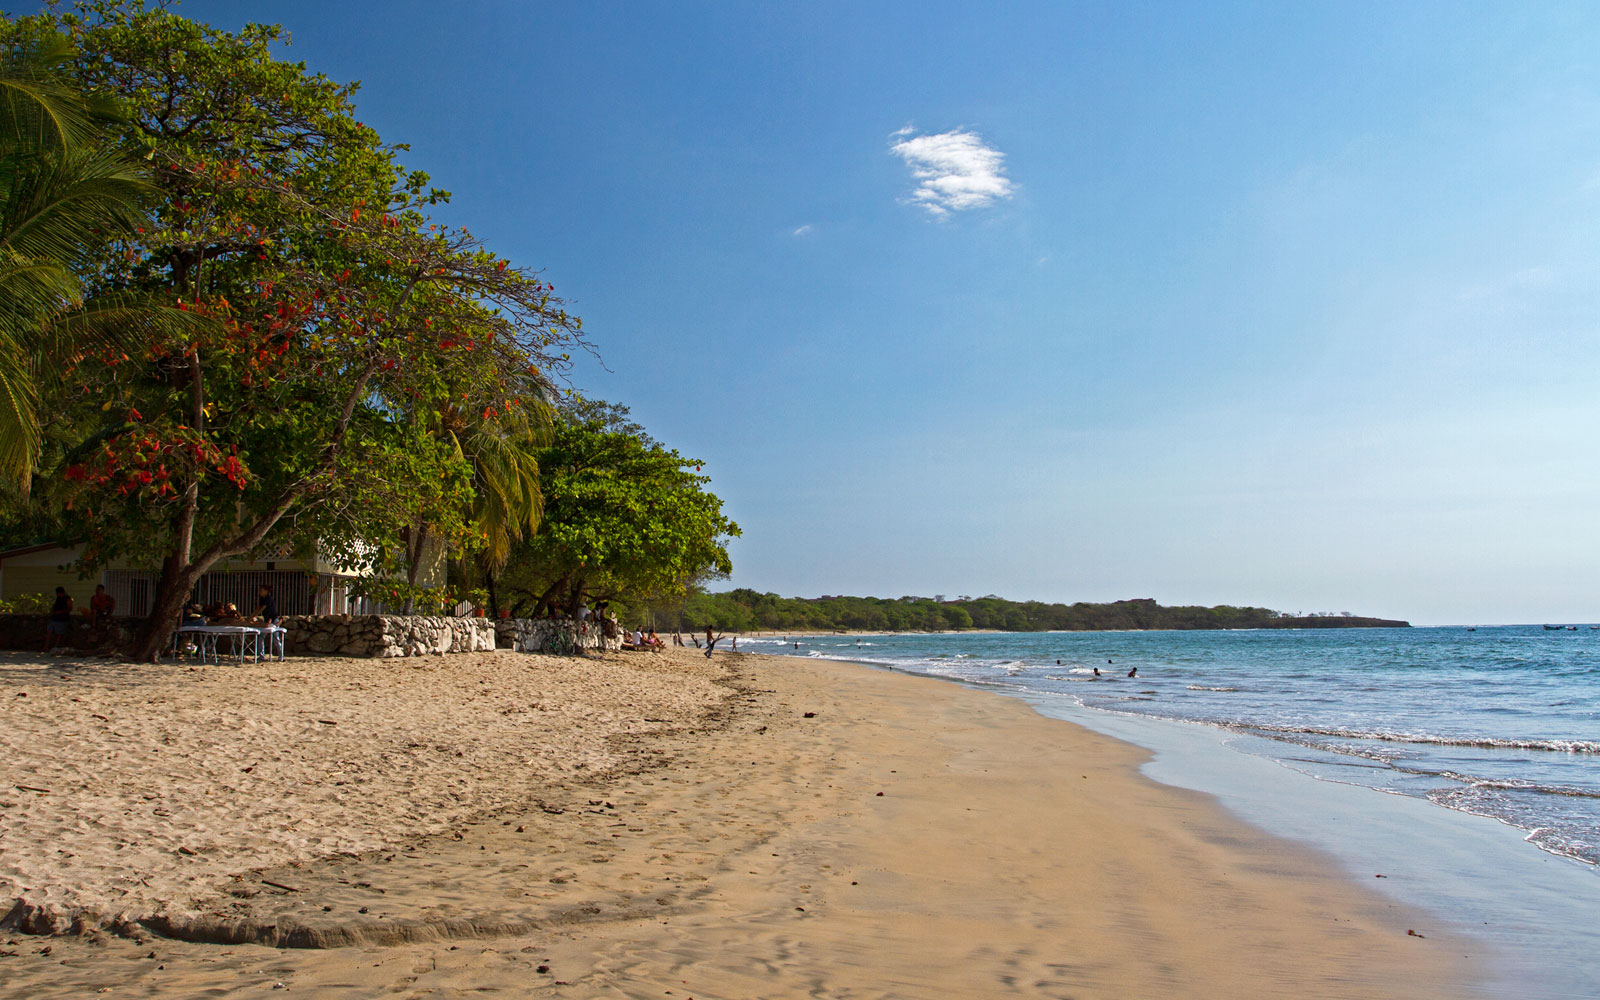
1499,721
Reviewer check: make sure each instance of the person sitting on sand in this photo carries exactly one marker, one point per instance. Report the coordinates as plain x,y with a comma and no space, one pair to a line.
101,605
60,620
655,641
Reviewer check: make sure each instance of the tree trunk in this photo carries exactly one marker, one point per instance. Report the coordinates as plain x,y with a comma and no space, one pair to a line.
173,590
181,570
547,600
415,543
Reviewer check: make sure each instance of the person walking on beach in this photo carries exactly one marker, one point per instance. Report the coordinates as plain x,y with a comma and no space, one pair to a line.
60,620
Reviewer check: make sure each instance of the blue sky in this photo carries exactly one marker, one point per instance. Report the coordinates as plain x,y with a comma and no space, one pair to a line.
1253,303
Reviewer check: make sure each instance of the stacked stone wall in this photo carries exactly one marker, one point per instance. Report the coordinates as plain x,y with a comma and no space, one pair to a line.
27,631
552,635
386,635
352,635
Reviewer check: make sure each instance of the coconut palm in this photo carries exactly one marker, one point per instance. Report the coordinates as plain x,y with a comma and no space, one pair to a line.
65,192
506,501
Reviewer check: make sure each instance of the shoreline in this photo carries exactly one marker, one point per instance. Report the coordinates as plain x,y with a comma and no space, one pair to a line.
909,838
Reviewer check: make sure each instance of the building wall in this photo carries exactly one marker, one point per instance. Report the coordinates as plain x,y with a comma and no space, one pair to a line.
42,572
301,587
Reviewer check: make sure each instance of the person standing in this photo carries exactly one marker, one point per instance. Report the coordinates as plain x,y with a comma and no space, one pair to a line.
266,605
60,620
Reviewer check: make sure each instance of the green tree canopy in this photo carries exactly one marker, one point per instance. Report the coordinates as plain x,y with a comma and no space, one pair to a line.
624,517
340,326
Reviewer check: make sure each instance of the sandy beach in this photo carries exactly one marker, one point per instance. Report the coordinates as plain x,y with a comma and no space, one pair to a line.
638,826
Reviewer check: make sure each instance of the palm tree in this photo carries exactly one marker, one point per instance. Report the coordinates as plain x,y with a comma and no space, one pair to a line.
506,500
65,192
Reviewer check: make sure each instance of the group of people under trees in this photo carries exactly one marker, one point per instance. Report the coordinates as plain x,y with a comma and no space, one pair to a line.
102,605
265,610
59,623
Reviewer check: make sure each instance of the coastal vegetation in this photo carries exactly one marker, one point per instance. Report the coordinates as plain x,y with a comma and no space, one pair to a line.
256,324
748,610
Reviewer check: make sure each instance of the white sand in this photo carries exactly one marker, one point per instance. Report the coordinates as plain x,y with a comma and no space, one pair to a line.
821,830
127,790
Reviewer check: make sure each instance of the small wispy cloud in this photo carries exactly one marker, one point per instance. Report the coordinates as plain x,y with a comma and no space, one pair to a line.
955,171
804,230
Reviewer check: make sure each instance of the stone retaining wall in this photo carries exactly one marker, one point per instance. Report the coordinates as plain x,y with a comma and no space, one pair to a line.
26,632
551,635
355,635
386,635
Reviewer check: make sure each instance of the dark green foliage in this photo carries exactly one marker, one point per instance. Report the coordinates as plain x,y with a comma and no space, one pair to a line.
626,519
748,610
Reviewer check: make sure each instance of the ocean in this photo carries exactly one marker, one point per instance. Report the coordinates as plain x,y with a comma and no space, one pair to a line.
1496,721
1457,768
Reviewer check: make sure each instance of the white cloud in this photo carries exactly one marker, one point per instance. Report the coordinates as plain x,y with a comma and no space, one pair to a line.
804,230
954,170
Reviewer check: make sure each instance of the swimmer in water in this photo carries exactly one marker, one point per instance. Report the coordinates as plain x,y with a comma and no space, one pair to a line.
1097,671
1133,672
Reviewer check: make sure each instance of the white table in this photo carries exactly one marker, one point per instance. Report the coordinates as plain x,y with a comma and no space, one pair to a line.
242,640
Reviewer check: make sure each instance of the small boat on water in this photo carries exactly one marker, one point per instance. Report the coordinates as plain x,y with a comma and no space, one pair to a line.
1553,628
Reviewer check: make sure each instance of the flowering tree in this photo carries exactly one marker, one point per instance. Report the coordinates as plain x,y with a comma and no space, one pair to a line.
339,324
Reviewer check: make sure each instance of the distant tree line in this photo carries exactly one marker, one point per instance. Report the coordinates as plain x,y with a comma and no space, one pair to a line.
748,610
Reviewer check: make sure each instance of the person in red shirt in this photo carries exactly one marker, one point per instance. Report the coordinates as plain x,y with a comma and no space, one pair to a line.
101,605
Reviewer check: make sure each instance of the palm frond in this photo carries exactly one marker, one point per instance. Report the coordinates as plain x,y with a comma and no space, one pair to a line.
68,205
39,109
